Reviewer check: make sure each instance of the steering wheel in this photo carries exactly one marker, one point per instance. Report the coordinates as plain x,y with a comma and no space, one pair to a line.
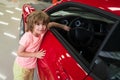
80,35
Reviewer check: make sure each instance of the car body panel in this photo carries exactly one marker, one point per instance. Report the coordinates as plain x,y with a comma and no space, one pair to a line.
59,62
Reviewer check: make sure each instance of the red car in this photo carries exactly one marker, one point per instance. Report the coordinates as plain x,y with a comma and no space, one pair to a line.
90,50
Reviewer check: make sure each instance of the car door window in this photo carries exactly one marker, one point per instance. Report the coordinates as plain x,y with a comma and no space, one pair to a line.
88,29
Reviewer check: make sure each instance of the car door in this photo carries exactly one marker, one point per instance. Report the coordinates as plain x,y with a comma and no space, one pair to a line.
58,64
71,55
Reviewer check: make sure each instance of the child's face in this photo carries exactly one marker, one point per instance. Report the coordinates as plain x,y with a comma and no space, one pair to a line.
39,28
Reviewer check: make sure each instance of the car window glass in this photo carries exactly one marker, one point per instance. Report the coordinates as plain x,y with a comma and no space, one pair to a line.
79,12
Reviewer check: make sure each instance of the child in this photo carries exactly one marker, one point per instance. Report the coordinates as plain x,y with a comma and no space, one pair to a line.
28,51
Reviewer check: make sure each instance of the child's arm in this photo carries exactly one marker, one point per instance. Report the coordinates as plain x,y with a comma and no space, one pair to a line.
54,24
22,53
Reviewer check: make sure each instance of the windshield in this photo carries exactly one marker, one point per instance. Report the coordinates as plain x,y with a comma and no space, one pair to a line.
80,12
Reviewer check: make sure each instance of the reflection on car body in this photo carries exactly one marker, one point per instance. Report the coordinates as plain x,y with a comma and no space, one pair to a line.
90,50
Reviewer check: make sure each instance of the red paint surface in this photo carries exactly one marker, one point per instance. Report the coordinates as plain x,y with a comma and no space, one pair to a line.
58,62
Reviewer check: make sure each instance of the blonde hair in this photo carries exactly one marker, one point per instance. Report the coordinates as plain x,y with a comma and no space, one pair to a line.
35,17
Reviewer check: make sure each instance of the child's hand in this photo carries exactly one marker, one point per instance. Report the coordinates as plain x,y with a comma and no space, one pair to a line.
40,54
67,28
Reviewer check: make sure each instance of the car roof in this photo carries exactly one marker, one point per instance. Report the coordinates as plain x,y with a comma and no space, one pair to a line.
112,6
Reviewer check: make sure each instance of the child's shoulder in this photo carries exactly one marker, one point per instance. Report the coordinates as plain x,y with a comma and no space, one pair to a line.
27,34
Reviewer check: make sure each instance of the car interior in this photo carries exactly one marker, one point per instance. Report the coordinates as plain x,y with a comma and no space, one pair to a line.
88,30
110,57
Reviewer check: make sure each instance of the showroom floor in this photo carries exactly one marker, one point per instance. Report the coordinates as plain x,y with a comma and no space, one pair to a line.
10,16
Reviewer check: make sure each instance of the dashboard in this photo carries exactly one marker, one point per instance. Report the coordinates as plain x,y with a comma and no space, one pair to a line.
99,27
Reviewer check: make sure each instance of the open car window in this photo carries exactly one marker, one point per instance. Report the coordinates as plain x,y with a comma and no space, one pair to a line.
89,29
